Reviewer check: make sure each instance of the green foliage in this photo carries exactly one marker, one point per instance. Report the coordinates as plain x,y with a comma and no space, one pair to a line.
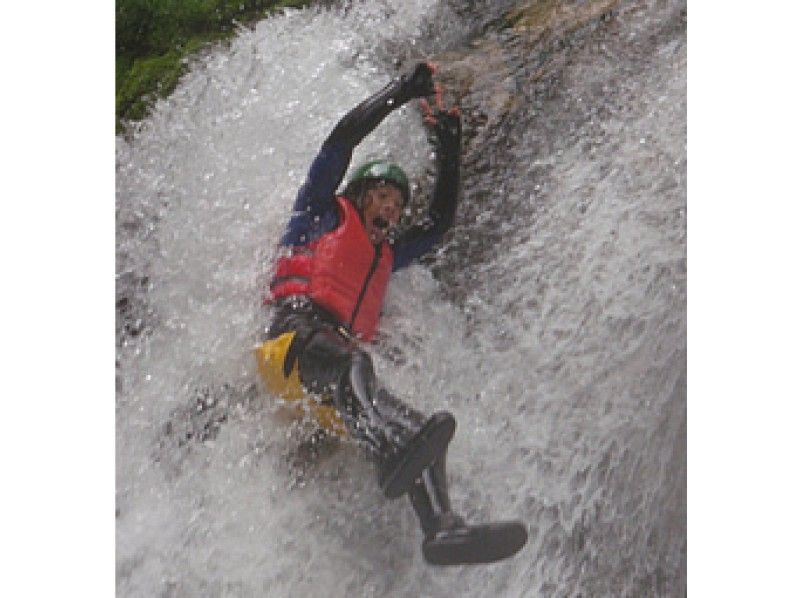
153,38
145,77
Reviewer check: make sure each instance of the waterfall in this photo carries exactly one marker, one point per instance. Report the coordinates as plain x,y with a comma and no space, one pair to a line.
552,321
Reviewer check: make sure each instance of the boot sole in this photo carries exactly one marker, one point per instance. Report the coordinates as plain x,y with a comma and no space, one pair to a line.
475,544
429,444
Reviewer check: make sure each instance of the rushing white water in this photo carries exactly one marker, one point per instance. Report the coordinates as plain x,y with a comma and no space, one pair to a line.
563,356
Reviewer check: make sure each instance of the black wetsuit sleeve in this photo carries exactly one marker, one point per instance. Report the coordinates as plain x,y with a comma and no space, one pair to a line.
360,122
364,118
423,237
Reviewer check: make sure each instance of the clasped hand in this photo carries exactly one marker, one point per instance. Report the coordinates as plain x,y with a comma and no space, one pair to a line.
445,123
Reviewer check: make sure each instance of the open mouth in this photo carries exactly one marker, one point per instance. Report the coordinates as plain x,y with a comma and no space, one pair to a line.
381,223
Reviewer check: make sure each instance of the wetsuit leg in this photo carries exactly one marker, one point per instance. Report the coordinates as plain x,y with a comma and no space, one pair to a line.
331,365
401,439
325,357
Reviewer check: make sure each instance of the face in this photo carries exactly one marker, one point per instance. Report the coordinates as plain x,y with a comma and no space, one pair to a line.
383,207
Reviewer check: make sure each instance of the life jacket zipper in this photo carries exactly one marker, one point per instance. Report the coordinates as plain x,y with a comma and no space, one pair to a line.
363,292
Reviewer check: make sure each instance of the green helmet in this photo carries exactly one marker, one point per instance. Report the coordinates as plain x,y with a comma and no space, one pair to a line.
383,170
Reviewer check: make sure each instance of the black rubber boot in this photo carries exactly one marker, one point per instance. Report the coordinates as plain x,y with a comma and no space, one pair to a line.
403,463
448,539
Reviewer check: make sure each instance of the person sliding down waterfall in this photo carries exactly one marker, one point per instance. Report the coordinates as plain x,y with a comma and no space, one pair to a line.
334,264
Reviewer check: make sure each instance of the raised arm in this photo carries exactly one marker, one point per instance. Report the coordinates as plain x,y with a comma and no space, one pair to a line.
362,120
314,206
421,238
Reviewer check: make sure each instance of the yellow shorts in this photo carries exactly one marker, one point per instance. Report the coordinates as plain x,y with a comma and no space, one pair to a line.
270,357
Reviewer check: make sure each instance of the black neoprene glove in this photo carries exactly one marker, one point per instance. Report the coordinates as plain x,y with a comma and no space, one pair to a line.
418,83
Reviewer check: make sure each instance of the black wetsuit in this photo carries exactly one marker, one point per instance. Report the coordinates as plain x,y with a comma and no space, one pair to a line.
410,449
331,362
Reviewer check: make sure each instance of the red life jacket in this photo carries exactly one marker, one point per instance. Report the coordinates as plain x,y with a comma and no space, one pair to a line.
341,272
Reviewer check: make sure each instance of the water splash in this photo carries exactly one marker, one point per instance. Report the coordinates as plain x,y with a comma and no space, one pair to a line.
552,322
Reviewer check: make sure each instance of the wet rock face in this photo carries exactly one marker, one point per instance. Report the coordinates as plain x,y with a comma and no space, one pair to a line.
131,306
522,107
572,227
